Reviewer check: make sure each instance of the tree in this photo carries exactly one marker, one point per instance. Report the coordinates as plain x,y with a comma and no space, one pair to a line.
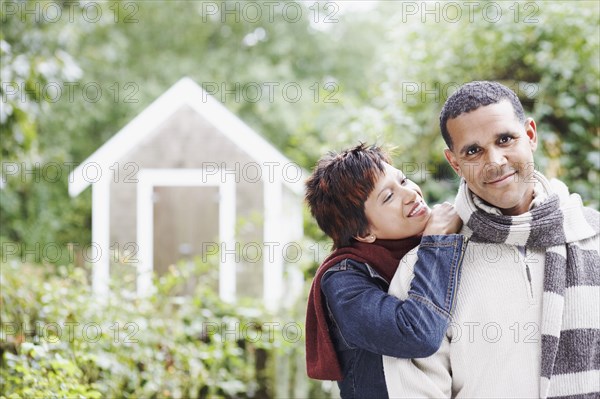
547,52
308,76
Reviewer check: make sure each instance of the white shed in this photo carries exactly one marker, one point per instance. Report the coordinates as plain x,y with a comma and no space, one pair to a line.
187,177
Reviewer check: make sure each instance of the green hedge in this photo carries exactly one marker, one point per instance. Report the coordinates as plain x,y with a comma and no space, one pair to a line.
59,340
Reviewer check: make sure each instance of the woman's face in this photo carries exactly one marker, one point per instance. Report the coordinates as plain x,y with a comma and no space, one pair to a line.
395,209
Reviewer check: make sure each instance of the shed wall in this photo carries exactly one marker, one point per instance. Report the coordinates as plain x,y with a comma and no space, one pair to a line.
186,140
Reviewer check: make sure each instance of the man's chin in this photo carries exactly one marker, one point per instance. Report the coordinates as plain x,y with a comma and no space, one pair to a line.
497,201
510,206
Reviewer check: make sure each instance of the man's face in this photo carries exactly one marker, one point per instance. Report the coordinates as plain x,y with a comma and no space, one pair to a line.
493,152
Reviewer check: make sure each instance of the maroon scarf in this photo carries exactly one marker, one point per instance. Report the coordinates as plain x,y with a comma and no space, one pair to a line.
384,256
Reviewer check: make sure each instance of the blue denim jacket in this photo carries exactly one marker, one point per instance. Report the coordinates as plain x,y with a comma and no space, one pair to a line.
366,322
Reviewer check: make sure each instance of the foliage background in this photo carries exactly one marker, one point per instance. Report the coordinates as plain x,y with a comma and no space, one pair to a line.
382,73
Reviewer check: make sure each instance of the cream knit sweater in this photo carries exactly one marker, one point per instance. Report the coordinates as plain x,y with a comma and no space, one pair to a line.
493,345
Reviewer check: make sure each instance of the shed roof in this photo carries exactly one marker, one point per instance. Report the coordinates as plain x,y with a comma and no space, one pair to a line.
184,92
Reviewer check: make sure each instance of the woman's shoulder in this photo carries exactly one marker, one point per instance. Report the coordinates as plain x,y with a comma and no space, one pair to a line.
346,264
349,268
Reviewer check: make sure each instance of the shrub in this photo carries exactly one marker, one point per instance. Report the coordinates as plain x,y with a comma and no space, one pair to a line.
60,340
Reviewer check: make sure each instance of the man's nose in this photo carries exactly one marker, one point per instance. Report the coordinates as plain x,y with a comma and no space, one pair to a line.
496,157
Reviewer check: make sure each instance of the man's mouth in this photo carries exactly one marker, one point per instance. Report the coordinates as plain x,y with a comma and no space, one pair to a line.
502,178
418,209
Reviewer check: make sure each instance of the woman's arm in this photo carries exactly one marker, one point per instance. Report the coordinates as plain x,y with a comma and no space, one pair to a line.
371,319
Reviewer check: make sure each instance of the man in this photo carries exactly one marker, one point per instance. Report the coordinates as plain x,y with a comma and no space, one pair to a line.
527,316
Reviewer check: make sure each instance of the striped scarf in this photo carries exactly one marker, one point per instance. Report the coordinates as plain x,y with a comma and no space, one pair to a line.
557,222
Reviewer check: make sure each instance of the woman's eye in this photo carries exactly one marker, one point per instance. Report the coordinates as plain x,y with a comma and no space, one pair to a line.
388,197
404,181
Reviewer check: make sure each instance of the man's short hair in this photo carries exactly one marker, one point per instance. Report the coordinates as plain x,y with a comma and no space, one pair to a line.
338,188
473,95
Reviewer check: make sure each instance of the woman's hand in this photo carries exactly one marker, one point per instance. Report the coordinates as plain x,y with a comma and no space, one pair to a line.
443,220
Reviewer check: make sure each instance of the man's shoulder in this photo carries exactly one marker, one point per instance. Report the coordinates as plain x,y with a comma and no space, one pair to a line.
591,244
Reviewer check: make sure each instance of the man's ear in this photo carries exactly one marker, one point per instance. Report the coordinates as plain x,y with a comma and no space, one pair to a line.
368,238
452,161
531,131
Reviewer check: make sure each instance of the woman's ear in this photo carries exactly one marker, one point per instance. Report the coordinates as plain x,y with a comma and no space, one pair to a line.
369,238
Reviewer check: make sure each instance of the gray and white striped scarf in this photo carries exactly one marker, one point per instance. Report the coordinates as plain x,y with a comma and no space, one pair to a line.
570,329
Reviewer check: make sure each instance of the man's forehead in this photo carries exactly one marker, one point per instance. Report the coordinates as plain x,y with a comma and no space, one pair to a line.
502,107
494,118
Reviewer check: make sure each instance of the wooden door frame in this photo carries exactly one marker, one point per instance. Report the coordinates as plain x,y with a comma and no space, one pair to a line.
150,178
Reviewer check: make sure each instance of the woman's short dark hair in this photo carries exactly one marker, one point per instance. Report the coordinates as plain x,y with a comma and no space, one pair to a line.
338,188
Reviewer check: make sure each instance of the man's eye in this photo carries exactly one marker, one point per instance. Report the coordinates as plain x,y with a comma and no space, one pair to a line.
472,151
505,139
388,197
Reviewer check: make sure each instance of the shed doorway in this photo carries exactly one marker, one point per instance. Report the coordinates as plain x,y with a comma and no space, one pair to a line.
181,195
191,216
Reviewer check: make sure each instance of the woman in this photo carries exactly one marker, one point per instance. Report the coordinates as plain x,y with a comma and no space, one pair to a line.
375,216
